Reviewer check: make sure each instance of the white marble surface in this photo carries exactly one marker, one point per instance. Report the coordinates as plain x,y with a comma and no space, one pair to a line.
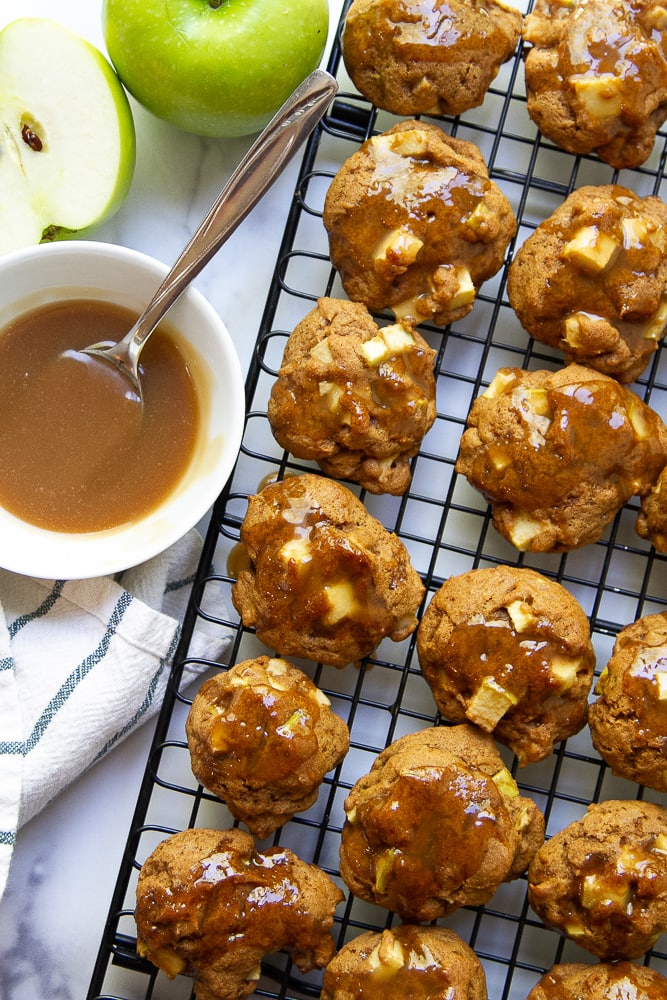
65,862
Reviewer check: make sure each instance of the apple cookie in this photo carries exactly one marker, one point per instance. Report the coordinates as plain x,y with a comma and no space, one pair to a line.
651,520
438,823
510,651
602,881
628,722
557,454
261,737
327,581
408,961
410,57
354,397
591,280
602,981
596,76
416,225
210,906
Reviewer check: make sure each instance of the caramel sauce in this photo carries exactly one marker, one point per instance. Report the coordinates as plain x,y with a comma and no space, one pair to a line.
419,978
237,560
240,901
427,32
329,556
436,822
494,648
640,685
76,454
267,734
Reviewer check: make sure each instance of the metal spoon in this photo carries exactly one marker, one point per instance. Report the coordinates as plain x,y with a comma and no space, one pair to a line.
261,165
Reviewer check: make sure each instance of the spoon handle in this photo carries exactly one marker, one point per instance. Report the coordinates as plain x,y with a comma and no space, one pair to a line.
259,168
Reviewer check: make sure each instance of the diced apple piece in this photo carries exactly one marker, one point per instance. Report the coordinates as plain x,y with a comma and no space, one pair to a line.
375,351
322,352
296,550
397,338
655,17
661,681
277,670
465,292
502,383
500,457
602,95
167,960
342,601
407,311
638,420
383,867
523,529
478,216
591,249
660,843
521,615
387,957
411,142
596,892
295,721
506,783
635,233
655,327
564,669
489,703
399,247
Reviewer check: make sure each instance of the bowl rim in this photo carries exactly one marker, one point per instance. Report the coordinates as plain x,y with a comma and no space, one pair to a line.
30,550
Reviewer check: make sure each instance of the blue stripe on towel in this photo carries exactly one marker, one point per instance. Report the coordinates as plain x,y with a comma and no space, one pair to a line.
39,612
146,703
75,677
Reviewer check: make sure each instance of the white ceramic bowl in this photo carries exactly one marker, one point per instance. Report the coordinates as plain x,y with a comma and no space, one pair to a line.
83,269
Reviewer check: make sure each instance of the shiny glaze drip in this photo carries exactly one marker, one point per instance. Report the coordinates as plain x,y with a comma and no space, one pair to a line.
265,733
425,835
518,662
239,900
420,977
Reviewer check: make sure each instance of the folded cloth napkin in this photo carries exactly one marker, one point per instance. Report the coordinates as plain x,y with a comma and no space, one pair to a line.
82,663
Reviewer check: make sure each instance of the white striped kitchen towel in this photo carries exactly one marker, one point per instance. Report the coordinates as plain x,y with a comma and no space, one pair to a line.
82,663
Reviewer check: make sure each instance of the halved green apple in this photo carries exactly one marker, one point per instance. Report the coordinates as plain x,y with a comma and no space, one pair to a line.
67,139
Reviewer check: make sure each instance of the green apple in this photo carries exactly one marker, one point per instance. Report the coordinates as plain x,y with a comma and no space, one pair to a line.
214,67
67,140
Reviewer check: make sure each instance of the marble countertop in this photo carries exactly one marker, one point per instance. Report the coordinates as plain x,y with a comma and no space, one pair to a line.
66,859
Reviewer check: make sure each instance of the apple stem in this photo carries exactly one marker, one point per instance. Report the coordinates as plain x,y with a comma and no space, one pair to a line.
215,3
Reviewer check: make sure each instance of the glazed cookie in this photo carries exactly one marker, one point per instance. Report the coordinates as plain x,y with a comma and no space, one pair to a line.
628,721
261,737
327,581
509,650
437,823
410,57
596,76
602,881
557,454
416,225
652,517
210,906
603,981
355,397
408,961
591,280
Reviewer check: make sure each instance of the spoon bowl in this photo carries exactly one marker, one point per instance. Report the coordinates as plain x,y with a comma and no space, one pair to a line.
259,168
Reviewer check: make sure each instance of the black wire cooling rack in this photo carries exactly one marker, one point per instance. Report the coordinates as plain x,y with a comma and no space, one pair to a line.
446,527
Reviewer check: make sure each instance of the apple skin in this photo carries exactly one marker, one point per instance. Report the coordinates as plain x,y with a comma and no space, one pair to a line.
77,169
214,70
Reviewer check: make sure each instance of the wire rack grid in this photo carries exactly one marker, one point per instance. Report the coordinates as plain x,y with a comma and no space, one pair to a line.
447,529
